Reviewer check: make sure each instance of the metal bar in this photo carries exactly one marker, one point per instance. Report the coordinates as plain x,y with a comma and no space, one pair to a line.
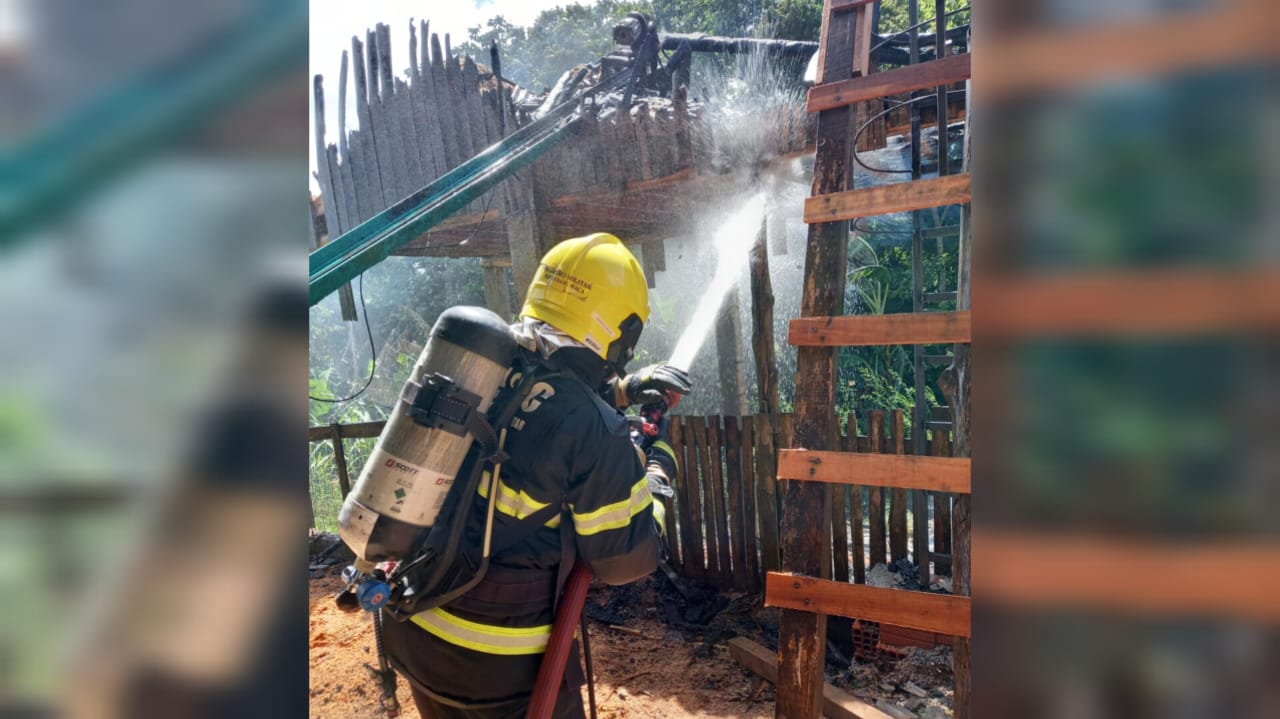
710,43
940,296
939,44
934,233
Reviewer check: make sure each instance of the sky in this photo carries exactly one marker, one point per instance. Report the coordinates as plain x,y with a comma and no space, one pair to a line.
333,22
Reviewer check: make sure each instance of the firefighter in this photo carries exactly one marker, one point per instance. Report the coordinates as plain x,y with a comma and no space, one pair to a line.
569,445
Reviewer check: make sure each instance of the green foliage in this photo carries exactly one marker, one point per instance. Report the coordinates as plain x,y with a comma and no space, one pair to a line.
559,39
879,282
894,14
403,297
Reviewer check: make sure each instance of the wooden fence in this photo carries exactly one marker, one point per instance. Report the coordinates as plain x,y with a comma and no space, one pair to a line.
722,524
723,521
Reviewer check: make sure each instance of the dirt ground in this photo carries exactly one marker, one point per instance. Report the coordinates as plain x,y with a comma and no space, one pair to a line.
658,654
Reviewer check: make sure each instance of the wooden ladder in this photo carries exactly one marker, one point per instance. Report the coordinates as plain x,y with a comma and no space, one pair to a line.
804,590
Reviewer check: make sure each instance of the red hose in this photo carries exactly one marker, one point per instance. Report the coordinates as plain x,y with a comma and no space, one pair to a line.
551,672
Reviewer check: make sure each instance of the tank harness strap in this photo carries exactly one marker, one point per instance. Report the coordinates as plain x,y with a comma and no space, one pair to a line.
440,403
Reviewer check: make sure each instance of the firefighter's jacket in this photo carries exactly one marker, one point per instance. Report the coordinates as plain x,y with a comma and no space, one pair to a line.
567,447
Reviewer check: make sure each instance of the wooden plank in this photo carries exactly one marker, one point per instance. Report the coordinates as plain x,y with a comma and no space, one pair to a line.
836,703
941,613
361,430
691,499
438,81
1133,303
846,6
676,514
941,500
898,496
875,495
380,129
862,37
887,199
340,460
434,127
939,474
718,505
365,156
850,444
1043,571
839,534
920,535
767,493
869,330
749,510
736,507
710,516
679,534
950,69
1013,64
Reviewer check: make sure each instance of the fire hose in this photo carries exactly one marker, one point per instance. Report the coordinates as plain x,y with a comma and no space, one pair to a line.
551,672
569,614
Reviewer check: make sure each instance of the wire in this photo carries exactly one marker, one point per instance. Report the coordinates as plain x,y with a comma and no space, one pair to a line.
373,354
877,116
922,23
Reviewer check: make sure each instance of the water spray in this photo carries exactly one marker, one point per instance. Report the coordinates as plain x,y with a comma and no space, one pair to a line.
732,242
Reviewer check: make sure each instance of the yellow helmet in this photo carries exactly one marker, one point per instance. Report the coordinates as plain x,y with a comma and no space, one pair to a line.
592,289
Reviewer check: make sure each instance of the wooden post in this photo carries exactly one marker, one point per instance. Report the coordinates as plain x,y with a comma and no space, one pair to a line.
954,383
805,544
340,460
527,235
729,352
497,294
766,428
767,492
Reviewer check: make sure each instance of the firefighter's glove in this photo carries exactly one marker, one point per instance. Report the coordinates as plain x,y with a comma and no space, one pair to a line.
650,385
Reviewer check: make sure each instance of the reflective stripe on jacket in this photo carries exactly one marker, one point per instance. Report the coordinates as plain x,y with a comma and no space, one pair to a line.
485,638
